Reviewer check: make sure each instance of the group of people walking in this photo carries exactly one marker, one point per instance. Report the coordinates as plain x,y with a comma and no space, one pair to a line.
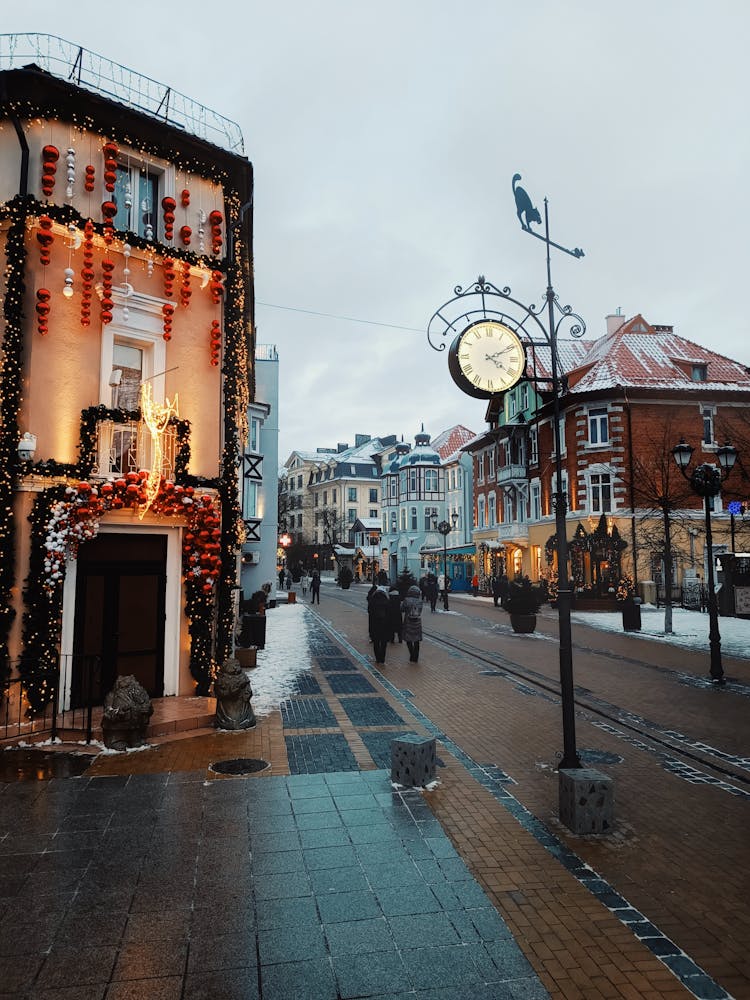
390,617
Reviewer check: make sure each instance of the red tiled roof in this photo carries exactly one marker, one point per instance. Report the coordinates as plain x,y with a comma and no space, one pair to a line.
449,442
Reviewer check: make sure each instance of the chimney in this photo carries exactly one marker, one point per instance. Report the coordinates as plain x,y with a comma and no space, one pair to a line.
615,321
342,446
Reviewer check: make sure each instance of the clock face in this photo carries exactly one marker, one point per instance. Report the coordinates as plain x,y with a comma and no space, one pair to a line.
486,358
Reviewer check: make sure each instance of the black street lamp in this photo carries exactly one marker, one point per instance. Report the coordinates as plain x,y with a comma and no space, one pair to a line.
445,528
706,480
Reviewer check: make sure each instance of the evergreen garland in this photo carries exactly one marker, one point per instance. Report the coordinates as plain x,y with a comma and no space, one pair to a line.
10,401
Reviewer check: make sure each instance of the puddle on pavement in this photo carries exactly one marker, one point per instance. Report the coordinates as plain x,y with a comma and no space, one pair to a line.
41,765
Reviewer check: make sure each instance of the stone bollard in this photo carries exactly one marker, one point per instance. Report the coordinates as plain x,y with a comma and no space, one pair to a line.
587,800
413,761
233,697
127,710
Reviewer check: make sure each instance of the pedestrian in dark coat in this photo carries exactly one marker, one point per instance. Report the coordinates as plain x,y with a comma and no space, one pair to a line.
412,632
503,589
315,587
380,624
370,592
431,588
394,613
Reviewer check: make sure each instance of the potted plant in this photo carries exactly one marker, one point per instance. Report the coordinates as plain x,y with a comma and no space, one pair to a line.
523,603
345,577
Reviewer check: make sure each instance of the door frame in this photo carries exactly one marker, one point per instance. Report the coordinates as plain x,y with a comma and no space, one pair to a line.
172,605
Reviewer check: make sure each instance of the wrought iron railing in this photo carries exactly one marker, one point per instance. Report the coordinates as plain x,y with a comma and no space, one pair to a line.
127,447
73,690
93,72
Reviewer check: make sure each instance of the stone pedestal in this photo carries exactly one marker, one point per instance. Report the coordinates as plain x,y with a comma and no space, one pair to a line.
413,761
587,800
247,657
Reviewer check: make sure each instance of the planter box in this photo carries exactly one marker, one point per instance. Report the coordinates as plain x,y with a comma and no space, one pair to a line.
523,623
247,657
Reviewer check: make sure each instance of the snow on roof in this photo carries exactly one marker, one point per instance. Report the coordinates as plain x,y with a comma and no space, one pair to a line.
638,354
451,441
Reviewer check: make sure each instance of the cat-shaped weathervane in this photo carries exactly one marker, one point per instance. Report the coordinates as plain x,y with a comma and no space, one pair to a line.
527,214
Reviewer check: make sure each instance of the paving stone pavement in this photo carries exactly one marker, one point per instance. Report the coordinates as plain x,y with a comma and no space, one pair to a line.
313,878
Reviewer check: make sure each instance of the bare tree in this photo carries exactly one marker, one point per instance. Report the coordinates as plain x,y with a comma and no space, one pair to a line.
660,496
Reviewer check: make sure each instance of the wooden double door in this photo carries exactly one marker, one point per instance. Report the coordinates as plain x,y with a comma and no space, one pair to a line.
119,615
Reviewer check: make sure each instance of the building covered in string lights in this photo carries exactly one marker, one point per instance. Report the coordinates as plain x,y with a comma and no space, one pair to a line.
126,231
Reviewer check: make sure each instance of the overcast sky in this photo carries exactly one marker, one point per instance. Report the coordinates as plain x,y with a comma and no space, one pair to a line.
384,138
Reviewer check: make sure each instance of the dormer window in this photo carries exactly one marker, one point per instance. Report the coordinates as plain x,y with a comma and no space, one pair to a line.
699,373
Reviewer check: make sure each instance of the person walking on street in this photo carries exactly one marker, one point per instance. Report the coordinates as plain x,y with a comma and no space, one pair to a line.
282,573
305,581
431,589
380,624
315,587
412,608
475,585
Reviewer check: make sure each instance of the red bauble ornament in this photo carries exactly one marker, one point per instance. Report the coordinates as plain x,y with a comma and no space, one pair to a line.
185,197
185,233
88,181
50,156
110,151
168,205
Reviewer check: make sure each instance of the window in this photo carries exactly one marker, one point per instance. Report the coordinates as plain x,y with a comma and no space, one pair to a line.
351,495
699,373
402,482
431,480
402,518
136,196
491,510
394,487
333,497
563,446
536,502
325,498
394,523
480,468
315,499
525,396
598,426
373,496
299,482
600,493
254,435
481,513
373,512
413,480
385,524
491,468
429,513
508,506
414,522
459,478
351,515
708,424
534,446
512,404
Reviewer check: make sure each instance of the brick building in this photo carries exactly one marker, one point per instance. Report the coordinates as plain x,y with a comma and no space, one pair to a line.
628,398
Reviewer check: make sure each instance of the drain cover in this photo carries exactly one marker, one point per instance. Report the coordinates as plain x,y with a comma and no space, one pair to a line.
240,765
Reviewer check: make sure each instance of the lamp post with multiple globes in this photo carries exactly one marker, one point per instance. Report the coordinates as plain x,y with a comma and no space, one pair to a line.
445,528
706,480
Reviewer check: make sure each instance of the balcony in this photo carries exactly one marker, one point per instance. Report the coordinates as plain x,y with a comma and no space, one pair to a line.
128,447
516,532
512,474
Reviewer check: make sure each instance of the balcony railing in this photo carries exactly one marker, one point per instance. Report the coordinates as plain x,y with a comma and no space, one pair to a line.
118,83
512,473
128,447
513,530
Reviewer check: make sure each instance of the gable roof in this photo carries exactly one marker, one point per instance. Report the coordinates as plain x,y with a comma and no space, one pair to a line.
641,355
451,441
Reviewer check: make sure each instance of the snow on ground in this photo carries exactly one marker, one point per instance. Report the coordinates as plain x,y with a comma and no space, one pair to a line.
690,628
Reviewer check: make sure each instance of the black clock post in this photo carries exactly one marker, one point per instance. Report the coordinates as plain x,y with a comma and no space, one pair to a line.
483,322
